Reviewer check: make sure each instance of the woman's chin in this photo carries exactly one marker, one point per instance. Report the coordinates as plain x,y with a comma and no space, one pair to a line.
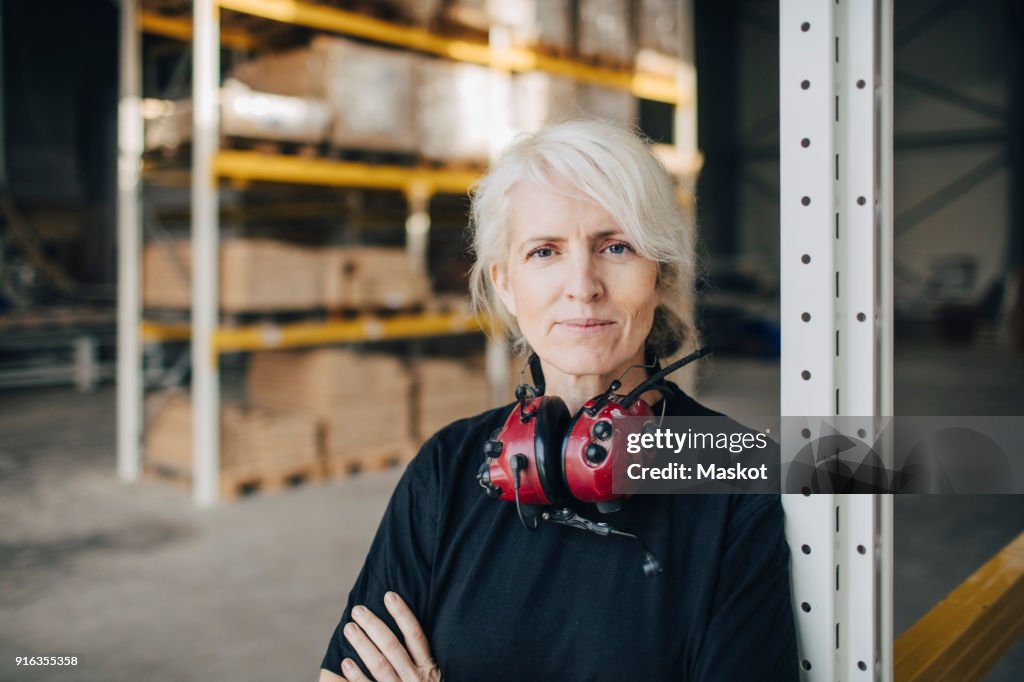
579,362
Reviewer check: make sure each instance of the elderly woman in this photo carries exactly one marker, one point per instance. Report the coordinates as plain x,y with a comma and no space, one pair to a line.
585,257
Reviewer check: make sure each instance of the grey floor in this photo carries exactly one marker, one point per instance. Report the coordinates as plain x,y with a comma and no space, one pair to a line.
140,585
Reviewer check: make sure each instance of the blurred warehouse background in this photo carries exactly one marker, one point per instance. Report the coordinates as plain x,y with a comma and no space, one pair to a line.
335,295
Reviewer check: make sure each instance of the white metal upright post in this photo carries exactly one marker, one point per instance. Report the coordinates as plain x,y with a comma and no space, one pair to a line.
205,249
857,387
417,227
496,354
129,221
807,307
833,357
884,316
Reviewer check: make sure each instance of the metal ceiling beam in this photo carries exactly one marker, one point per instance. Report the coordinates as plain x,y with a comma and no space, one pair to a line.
950,95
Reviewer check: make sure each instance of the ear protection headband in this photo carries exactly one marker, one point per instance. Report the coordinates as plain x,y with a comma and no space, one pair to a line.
545,456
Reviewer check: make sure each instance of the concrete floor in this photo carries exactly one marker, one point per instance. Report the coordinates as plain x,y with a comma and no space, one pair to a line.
140,585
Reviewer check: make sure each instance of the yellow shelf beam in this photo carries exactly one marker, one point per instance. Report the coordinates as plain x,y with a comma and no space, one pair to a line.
267,336
248,166
158,332
180,28
319,17
256,166
966,634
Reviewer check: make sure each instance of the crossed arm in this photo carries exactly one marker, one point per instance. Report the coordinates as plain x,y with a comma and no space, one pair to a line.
382,652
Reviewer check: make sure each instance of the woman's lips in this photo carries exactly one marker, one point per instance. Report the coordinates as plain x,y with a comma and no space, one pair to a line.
586,325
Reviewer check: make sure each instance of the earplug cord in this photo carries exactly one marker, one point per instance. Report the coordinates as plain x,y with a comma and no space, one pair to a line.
656,378
518,464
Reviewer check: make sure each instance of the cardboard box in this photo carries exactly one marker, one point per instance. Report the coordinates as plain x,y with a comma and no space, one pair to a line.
454,121
369,90
301,72
658,27
245,112
167,124
255,275
539,98
249,438
419,12
371,277
543,24
611,104
447,390
360,400
604,31
532,23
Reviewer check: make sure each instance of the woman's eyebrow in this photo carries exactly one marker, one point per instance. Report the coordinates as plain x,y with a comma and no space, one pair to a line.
597,236
542,238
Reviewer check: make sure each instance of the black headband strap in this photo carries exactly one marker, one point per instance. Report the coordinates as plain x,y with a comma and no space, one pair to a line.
536,373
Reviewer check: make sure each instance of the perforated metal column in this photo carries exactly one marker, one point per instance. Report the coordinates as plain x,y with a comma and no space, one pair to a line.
831,149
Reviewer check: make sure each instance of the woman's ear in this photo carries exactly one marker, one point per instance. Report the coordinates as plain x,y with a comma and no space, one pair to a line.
499,279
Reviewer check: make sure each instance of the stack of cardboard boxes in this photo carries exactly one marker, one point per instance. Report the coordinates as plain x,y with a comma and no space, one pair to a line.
255,443
359,400
261,275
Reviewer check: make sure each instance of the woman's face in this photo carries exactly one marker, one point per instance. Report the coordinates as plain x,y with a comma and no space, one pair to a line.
583,298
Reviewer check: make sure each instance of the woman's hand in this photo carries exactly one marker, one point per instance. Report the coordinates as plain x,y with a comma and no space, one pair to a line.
382,652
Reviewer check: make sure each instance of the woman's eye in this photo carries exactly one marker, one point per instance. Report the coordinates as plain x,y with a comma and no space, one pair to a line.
542,252
619,248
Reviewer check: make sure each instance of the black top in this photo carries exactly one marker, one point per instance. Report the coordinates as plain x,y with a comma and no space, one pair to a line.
498,602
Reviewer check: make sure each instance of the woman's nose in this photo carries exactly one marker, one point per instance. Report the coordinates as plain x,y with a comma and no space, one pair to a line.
584,283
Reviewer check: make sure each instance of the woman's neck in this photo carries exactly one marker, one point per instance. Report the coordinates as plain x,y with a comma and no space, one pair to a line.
575,389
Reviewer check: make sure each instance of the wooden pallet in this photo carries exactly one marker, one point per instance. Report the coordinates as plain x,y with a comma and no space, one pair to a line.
378,9
448,304
455,165
316,315
243,481
555,51
375,458
55,317
305,150
605,61
462,23
343,313
375,157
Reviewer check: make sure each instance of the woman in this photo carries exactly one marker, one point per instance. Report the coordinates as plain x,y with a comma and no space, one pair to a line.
584,256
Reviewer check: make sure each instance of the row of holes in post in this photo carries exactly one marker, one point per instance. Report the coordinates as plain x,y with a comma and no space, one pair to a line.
806,607
806,317
806,433
806,200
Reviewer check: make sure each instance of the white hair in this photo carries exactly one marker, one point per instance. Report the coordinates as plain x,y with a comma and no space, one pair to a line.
614,168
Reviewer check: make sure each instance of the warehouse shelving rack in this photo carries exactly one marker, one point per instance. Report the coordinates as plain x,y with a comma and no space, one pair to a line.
210,165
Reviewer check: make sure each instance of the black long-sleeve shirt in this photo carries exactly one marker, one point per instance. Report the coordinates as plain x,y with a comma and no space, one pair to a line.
498,602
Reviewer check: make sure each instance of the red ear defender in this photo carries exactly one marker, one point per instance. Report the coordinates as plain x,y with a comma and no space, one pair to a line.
564,458
533,432
544,457
594,451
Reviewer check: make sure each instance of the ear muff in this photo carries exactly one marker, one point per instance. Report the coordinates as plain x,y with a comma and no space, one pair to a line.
552,422
572,456
565,448
545,455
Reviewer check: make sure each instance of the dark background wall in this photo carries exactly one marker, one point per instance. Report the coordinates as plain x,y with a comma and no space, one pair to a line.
958,239
60,138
